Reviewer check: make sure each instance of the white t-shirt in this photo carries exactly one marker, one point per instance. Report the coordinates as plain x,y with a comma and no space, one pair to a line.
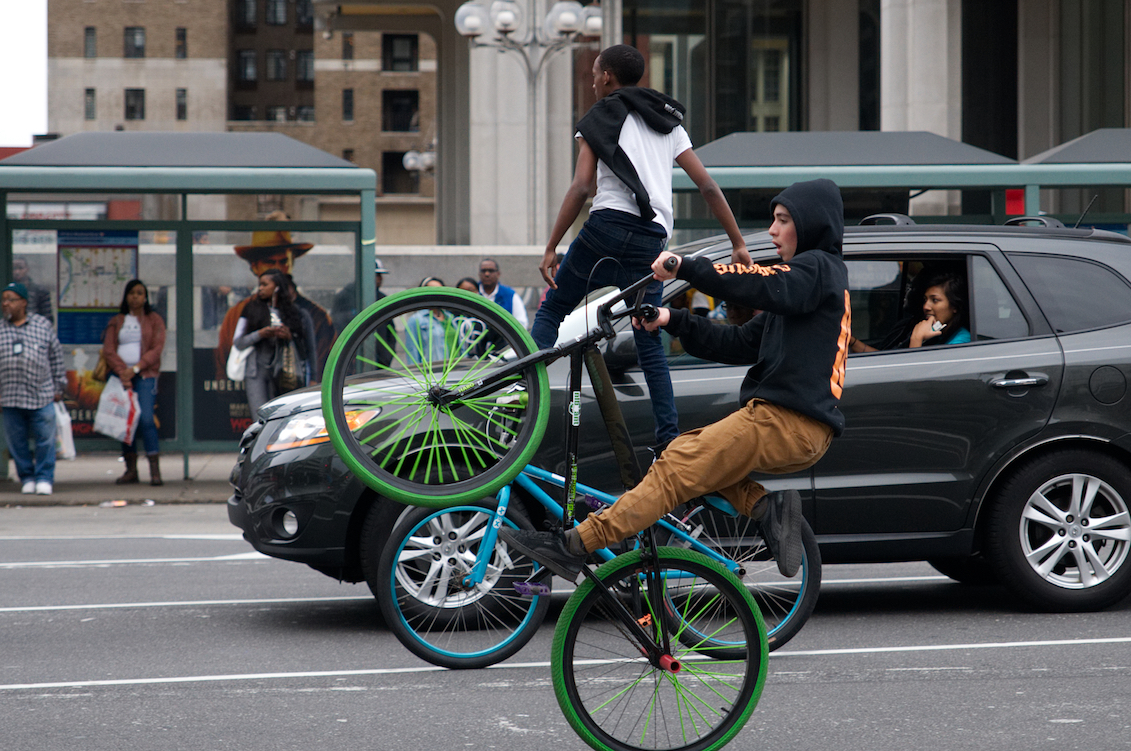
652,154
129,341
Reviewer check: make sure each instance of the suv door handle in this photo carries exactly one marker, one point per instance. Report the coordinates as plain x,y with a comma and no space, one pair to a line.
1019,383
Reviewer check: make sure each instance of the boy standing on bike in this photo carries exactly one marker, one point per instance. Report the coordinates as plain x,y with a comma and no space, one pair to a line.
627,141
789,399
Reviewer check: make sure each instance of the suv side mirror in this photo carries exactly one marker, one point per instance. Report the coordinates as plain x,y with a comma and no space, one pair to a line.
620,354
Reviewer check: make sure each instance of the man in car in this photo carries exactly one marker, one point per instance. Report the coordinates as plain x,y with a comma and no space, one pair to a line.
789,399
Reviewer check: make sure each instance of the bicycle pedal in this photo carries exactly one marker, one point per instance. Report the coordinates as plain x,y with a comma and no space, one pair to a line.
531,589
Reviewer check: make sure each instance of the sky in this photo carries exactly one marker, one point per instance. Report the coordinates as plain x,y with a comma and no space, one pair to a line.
23,71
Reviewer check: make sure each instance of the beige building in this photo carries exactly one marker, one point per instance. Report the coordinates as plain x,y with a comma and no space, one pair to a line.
254,65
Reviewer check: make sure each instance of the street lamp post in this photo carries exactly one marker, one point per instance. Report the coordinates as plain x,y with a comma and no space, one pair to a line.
563,24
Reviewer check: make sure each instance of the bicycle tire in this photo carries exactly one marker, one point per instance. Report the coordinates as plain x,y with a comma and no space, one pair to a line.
616,700
785,602
385,420
426,604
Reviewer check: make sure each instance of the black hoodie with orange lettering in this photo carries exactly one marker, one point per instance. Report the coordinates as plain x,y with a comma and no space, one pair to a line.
799,343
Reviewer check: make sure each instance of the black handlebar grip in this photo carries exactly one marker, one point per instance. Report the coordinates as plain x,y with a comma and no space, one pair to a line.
649,312
671,263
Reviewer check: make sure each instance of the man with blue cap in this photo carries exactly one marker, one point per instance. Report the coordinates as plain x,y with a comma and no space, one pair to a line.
31,379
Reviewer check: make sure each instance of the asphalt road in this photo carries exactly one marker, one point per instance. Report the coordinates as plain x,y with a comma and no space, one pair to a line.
159,628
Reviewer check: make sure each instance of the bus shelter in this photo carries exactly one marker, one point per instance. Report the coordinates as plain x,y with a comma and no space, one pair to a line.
887,164
184,212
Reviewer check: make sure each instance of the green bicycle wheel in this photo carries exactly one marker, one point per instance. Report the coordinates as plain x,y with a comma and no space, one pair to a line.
391,405
617,700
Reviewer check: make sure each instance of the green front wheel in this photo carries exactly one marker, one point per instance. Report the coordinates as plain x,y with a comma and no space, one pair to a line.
391,397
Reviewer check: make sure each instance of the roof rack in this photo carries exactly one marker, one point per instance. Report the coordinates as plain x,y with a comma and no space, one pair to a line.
1025,221
886,218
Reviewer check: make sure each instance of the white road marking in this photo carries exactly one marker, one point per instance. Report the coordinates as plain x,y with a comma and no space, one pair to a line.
181,604
249,556
541,665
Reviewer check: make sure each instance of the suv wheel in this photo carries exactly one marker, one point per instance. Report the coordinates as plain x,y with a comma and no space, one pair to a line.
1060,532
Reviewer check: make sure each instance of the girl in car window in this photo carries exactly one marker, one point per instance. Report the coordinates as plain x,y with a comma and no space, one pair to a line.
939,317
944,313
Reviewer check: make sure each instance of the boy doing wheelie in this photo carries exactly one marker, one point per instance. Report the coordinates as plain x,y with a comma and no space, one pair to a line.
789,399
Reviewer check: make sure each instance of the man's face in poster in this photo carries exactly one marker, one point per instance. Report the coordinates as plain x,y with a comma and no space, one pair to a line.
283,260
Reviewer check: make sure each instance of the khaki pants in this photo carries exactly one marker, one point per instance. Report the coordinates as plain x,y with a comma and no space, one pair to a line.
760,437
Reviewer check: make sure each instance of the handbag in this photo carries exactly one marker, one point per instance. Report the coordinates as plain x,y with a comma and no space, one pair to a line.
118,412
287,378
237,362
101,369
64,438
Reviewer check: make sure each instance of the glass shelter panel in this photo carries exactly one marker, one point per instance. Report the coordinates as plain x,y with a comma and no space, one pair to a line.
77,279
226,269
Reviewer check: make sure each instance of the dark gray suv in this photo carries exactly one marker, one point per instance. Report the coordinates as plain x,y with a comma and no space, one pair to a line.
1007,458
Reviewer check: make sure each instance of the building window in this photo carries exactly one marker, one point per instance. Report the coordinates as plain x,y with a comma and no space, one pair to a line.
277,114
304,66
135,104
347,105
245,66
181,48
400,52
304,14
134,41
347,154
89,42
400,110
89,105
182,104
347,45
245,14
304,113
394,177
276,12
243,112
276,65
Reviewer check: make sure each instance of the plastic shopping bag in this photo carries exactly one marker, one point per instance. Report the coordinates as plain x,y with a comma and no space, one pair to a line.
64,439
118,411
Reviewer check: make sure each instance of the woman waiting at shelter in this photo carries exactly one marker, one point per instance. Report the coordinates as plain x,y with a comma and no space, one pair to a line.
132,345
283,338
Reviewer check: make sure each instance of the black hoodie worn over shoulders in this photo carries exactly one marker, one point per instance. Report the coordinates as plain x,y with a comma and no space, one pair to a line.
799,344
601,130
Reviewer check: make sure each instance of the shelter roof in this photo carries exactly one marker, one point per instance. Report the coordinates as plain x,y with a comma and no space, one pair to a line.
133,149
841,148
1103,146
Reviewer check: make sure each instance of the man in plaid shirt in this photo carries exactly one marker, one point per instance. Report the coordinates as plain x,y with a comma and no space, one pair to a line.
31,378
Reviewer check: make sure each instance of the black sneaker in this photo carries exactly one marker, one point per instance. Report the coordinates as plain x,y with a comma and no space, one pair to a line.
548,548
781,529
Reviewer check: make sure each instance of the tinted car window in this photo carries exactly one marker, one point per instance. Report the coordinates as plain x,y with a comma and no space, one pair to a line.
995,312
1063,286
874,288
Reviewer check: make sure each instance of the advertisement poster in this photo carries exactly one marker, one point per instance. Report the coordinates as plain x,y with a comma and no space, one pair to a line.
220,405
94,267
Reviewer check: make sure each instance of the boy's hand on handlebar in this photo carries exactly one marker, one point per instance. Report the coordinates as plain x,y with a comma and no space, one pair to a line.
663,316
663,269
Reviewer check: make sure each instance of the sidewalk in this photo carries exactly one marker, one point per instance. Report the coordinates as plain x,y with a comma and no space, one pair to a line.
88,480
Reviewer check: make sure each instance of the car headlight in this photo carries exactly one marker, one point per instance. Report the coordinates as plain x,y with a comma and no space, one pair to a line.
309,429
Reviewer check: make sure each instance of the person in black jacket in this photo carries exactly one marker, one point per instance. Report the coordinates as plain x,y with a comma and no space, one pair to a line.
626,145
789,400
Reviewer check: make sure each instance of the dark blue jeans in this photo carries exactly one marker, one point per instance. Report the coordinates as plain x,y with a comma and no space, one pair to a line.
146,435
38,425
628,255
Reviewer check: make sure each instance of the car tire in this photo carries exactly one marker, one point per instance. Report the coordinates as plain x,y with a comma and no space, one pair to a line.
973,571
1059,532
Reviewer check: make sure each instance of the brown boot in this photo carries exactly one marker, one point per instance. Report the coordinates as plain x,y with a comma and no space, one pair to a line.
129,477
155,469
